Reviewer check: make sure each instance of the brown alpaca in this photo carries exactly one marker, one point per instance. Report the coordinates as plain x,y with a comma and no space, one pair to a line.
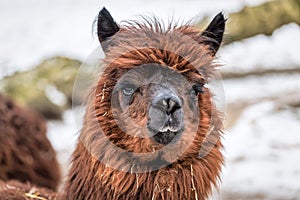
160,50
150,130
25,152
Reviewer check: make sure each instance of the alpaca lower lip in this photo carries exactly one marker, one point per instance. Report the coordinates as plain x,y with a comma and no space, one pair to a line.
165,137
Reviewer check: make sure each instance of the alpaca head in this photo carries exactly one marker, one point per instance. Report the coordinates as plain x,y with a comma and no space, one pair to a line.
150,104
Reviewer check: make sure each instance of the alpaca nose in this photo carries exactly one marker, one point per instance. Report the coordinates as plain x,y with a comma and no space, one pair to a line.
165,117
168,103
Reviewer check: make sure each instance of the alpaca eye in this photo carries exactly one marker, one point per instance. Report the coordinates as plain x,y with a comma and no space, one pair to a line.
196,89
128,91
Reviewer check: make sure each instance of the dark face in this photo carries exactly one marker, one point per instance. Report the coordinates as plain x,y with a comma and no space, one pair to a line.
165,114
157,103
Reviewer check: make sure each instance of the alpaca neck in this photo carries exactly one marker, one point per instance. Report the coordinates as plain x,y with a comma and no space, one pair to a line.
90,179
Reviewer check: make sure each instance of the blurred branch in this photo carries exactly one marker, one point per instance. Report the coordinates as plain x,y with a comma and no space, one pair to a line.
261,19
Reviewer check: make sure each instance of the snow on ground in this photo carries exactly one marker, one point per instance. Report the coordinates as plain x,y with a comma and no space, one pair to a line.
263,152
262,148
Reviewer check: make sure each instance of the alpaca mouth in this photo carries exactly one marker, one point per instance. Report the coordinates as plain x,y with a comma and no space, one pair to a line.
165,136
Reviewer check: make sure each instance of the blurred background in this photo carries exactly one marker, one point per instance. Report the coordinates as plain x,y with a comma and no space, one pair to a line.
43,43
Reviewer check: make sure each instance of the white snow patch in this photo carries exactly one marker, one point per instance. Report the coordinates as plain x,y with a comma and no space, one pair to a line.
55,96
63,136
262,153
279,51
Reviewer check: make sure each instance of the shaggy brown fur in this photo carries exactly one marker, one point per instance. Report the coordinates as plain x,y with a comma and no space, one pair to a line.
25,152
189,177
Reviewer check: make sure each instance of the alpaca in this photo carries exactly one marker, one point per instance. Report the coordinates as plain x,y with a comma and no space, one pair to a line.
25,152
99,170
150,130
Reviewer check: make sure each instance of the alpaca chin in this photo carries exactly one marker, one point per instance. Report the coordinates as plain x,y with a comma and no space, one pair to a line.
176,151
171,154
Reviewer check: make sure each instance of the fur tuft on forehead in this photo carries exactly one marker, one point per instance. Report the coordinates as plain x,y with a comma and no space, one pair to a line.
151,41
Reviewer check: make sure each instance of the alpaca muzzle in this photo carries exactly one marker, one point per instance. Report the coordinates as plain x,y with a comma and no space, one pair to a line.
165,117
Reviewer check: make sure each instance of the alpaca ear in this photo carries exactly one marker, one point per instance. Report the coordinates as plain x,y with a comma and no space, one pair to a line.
213,35
106,26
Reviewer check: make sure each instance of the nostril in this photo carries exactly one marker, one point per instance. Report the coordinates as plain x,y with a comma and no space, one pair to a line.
173,105
167,103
